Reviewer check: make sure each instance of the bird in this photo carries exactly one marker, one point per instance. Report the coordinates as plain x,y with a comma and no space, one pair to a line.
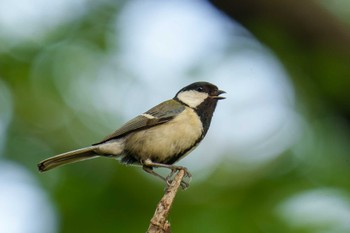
159,137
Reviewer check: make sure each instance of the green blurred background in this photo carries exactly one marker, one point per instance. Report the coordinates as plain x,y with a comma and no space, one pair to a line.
277,156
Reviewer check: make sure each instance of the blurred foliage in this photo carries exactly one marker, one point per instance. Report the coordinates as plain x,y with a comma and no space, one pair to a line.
103,196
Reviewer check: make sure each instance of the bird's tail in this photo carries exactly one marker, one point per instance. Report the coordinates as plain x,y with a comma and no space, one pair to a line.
68,157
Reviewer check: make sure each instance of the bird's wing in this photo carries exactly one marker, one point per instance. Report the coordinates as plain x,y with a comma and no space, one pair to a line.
159,114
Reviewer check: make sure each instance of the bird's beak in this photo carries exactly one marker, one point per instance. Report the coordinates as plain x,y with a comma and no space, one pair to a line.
218,97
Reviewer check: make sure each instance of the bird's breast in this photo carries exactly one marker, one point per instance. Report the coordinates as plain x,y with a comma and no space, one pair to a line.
163,142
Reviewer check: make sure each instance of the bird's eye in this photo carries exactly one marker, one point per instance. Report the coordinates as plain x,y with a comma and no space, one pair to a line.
200,89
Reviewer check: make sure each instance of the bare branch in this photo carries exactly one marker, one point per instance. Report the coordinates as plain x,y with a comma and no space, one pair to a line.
159,222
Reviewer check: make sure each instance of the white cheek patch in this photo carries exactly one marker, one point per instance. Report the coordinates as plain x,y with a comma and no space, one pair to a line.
192,98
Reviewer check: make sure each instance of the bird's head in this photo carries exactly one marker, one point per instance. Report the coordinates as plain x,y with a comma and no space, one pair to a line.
196,93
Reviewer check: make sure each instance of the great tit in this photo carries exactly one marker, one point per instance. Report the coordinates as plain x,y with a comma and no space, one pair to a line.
157,138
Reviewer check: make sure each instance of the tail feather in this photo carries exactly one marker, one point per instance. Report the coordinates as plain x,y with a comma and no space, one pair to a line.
68,157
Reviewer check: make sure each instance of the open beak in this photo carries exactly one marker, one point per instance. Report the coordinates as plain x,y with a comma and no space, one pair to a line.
218,96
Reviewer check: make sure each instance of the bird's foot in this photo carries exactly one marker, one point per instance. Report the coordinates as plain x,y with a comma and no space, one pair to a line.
184,183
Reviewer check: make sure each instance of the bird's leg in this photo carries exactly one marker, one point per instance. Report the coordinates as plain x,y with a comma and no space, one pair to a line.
149,170
171,174
148,164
